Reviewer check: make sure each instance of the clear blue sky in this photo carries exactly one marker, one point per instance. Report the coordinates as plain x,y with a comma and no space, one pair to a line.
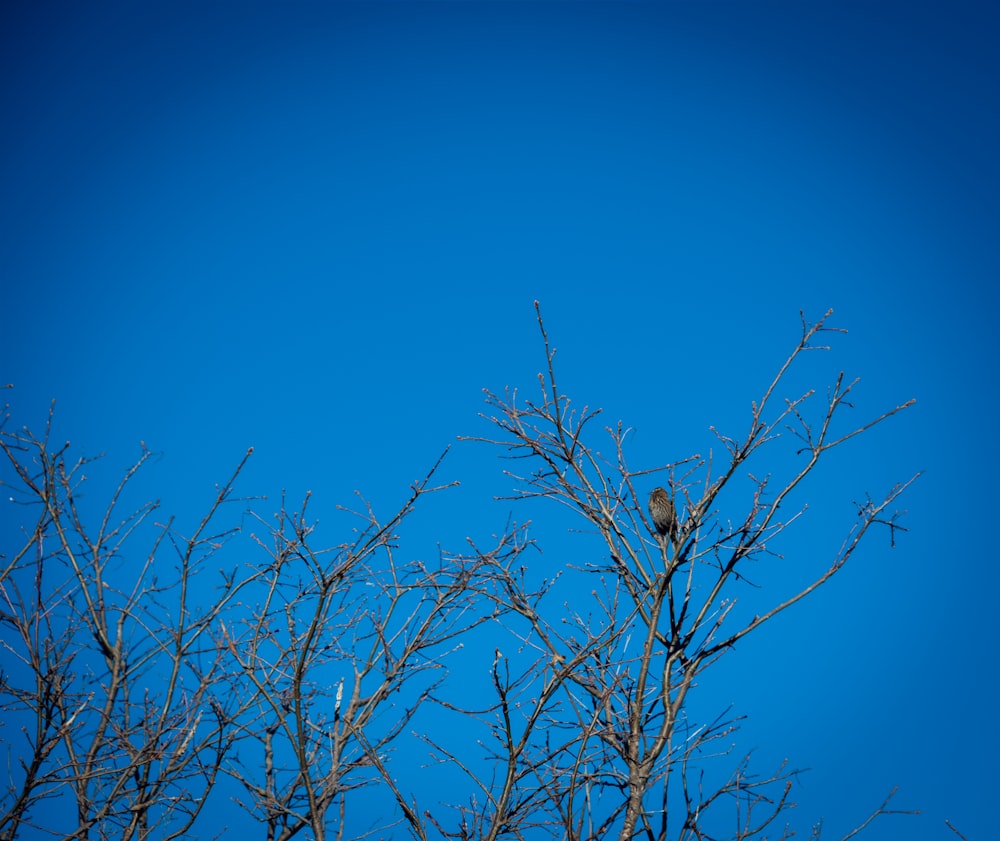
318,229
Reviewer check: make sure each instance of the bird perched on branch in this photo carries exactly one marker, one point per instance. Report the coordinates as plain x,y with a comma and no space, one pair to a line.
661,509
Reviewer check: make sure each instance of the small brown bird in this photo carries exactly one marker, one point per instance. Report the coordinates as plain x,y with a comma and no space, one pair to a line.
661,509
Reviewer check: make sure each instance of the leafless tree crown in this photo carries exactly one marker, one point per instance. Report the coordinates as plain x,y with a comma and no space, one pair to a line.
300,691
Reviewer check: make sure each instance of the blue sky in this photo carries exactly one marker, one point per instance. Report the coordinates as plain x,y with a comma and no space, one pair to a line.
318,229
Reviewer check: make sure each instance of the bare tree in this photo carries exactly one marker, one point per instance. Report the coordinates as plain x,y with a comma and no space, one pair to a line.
110,666
599,744
337,636
299,682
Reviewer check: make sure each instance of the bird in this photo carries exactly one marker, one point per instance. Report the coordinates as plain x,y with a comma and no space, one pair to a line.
661,509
